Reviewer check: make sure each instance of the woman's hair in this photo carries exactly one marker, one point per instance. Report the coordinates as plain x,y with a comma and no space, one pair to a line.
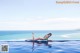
50,34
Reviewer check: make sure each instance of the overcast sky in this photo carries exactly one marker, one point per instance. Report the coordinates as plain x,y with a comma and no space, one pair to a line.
38,15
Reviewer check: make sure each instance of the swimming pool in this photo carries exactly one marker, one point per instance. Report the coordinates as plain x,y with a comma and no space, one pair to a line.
51,47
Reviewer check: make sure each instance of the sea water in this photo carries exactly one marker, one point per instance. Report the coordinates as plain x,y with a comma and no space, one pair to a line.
56,34
16,41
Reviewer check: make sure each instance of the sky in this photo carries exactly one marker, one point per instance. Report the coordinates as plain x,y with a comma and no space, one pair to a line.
38,15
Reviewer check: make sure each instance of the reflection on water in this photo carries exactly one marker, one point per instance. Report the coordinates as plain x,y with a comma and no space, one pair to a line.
39,44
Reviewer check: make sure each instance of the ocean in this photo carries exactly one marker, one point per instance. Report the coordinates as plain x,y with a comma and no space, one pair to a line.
56,34
17,44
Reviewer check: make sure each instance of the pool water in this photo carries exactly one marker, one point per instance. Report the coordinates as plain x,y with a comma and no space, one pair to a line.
50,47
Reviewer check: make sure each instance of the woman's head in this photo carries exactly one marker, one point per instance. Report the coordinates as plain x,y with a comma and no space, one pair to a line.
50,34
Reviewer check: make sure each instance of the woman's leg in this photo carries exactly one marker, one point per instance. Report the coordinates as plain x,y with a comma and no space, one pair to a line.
39,39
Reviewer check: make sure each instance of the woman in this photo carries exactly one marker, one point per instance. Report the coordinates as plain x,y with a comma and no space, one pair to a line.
45,37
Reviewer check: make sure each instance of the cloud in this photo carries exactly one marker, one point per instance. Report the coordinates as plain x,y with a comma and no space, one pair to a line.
40,24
